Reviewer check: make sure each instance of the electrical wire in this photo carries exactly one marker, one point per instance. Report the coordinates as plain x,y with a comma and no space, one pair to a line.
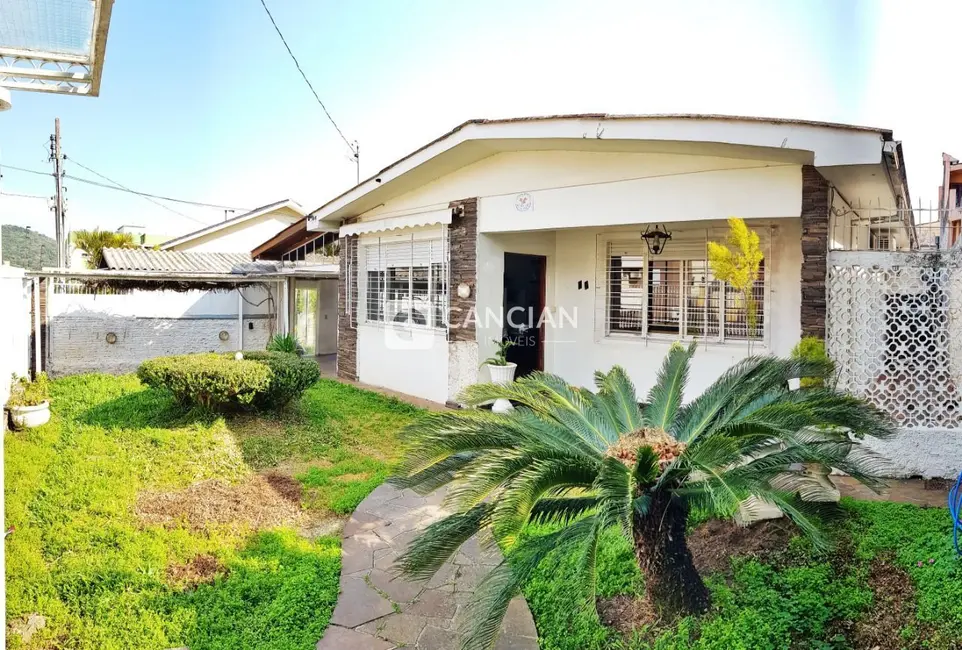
442,205
307,81
121,188
153,196
127,189
21,169
24,196
955,510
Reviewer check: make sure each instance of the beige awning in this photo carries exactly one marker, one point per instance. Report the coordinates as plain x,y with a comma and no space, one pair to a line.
418,220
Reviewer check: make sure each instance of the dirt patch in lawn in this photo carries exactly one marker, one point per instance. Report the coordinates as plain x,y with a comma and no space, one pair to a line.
892,611
626,613
200,569
254,503
716,542
286,486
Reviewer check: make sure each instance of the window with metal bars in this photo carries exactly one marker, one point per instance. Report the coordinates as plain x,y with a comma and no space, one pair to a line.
678,296
405,282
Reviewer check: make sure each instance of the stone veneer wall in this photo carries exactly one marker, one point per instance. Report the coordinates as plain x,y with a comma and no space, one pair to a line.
463,243
815,218
347,323
462,340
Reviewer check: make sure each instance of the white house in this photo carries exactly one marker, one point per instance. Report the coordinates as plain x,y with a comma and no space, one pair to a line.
532,229
242,233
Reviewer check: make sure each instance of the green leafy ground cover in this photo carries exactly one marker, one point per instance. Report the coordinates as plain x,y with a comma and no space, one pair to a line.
892,581
80,556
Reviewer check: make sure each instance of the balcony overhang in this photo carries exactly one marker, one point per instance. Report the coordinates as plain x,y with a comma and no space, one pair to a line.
54,47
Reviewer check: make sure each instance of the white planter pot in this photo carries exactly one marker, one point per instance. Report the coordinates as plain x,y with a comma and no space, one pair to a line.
27,417
503,375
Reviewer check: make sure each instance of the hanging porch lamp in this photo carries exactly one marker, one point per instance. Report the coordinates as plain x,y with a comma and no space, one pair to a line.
656,239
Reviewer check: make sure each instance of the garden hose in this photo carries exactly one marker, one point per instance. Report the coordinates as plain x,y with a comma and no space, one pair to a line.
955,509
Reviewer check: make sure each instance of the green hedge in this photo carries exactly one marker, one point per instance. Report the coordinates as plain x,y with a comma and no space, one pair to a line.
261,380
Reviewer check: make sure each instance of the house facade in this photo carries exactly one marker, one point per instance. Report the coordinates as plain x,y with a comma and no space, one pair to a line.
240,233
532,229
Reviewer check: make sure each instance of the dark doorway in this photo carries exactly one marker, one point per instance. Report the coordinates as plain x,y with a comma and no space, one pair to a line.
523,305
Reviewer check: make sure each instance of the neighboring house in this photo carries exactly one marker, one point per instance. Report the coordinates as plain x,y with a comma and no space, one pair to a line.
532,229
242,233
145,303
950,200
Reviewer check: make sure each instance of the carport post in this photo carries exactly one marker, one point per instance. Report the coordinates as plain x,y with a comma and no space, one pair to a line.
240,319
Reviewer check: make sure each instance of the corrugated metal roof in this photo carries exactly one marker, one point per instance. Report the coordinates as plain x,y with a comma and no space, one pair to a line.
140,259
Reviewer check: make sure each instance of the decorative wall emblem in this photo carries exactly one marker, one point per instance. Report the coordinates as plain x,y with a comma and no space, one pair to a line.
523,202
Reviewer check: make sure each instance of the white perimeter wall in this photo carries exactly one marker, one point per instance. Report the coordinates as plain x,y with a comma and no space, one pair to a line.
14,328
150,324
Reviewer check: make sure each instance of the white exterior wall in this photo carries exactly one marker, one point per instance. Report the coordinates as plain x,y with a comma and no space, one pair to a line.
150,324
594,188
242,237
576,352
562,224
14,328
409,360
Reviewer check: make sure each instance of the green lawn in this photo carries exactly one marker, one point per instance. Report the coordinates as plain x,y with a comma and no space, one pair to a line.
892,581
104,579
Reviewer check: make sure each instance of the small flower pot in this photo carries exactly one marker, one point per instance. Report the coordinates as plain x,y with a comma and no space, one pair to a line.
503,375
27,417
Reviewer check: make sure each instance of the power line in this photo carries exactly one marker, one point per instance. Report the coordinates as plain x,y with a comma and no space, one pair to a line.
24,196
145,194
21,169
352,147
120,188
127,189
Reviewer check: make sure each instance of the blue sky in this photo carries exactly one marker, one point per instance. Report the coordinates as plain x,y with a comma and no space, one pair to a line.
199,99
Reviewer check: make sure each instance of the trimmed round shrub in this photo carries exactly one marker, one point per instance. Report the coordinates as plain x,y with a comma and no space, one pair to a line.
290,376
261,380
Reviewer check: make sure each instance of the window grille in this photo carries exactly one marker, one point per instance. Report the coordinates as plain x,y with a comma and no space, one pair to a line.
405,282
674,294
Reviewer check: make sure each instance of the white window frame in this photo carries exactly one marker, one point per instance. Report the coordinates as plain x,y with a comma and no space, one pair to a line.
606,243
418,249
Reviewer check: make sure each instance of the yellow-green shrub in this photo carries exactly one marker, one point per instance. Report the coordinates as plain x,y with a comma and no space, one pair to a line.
261,380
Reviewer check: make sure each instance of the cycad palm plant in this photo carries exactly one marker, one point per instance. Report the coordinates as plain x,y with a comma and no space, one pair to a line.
591,461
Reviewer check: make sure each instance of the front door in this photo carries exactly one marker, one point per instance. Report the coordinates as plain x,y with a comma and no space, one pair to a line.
524,277
305,316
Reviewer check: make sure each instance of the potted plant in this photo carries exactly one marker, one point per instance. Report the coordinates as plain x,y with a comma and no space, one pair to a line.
29,401
502,372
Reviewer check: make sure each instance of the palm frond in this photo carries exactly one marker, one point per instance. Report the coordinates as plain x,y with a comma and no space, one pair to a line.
485,611
562,510
665,397
616,388
439,541
514,504
435,476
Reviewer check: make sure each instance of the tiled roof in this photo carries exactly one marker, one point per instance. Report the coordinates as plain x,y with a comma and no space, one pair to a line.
140,259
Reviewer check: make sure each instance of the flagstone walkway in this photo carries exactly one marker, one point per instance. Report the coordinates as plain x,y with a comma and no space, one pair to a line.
378,611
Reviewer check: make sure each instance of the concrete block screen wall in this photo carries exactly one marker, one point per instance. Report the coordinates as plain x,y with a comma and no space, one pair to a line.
115,333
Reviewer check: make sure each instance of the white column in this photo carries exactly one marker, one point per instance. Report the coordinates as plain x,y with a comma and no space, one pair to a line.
38,365
240,319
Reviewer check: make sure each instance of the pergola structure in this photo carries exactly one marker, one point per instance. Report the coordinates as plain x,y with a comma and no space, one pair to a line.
53,46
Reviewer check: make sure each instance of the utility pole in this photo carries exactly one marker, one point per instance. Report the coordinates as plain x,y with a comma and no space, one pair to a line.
60,216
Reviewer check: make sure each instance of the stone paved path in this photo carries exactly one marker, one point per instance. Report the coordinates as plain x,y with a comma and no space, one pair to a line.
377,611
